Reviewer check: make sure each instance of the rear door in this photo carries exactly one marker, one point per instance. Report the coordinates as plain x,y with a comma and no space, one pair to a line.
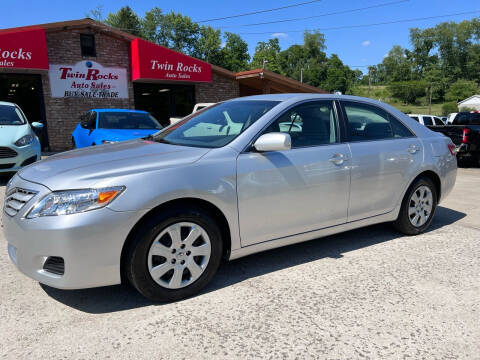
385,155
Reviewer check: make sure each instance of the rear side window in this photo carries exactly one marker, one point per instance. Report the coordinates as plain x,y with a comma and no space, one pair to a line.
367,122
415,118
461,119
427,120
438,121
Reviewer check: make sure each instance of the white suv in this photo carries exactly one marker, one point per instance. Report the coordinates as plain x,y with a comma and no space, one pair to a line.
427,119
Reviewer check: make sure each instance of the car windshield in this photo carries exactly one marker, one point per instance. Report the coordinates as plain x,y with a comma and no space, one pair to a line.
11,115
216,125
127,121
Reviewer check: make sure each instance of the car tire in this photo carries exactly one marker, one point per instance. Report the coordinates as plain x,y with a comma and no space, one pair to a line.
140,263
418,207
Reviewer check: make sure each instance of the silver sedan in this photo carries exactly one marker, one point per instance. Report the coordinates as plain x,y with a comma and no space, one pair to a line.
237,178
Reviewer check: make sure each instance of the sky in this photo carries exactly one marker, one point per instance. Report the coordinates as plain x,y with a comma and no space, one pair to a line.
357,47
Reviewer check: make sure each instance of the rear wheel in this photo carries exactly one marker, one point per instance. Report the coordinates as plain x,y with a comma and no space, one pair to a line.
175,254
418,207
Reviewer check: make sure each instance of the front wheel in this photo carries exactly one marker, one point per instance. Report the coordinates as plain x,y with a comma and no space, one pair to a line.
175,254
418,207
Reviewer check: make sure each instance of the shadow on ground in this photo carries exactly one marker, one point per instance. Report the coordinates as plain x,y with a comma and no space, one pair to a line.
122,297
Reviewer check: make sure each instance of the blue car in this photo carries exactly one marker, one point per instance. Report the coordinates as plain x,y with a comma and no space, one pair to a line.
105,126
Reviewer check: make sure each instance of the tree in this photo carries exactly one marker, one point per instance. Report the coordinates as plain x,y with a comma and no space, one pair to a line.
208,46
234,55
339,77
178,32
449,107
461,89
126,20
268,51
96,13
408,91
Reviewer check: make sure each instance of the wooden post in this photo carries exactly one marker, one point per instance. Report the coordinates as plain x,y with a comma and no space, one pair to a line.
430,101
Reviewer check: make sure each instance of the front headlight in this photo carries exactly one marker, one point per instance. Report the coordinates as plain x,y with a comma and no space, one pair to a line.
24,140
74,201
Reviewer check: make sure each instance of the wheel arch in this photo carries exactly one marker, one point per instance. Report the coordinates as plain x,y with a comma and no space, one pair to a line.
218,215
432,175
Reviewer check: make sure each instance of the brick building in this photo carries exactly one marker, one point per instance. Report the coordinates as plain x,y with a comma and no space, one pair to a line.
58,71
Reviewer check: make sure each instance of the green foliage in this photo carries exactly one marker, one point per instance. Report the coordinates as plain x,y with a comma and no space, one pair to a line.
267,51
234,55
408,91
461,89
125,19
449,107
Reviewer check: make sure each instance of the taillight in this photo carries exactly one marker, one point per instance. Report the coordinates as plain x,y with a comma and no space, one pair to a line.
465,135
452,148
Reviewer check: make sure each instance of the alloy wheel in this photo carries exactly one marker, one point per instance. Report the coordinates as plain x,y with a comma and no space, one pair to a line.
179,255
420,206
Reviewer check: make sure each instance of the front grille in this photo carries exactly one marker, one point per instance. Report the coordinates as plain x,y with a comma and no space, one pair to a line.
6,166
54,265
6,152
16,200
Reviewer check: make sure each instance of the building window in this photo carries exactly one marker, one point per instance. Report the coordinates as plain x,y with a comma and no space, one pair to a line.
87,43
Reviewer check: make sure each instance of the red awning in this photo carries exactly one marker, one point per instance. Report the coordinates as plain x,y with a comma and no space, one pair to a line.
155,62
23,49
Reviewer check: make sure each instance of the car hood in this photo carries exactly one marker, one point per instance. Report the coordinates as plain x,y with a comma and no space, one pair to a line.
121,135
11,133
86,167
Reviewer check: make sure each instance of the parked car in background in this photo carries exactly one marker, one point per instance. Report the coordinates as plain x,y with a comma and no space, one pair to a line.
450,118
163,212
427,119
19,145
465,134
197,107
105,126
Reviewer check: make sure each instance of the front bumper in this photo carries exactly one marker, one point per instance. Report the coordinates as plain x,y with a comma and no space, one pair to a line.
90,243
24,153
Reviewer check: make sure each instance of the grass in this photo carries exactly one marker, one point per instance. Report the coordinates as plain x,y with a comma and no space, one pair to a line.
381,93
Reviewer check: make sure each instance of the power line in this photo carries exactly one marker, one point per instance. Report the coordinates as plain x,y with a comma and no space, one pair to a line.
259,11
364,25
321,15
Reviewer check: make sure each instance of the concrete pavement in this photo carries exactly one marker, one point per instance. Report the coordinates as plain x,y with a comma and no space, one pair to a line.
368,293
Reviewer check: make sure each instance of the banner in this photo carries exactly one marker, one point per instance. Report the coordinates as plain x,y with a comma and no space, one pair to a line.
155,62
88,79
23,49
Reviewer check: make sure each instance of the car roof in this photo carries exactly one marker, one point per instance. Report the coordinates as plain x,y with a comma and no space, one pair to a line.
5,103
120,110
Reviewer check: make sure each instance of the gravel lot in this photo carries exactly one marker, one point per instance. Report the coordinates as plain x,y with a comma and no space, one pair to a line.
369,293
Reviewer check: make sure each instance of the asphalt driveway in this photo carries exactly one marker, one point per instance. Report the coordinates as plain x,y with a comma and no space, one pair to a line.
368,293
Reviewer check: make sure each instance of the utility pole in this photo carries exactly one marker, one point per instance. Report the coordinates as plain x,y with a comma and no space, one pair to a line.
265,62
369,80
301,75
430,100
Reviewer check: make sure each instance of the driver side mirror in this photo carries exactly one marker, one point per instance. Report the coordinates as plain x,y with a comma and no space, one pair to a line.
276,141
37,125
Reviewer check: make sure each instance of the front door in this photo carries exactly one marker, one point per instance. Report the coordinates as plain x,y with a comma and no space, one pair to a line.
282,193
385,156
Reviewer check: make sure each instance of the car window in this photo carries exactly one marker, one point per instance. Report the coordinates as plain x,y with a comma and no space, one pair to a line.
415,118
461,119
367,122
427,120
10,115
438,121
398,128
217,125
474,119
127,121
308,124
92,120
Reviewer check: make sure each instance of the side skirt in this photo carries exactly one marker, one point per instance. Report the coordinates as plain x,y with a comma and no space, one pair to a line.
311,235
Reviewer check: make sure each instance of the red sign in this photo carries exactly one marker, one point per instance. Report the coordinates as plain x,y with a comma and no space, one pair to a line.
24,49
151,61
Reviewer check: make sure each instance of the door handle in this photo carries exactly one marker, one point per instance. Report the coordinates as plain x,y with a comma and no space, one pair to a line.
413,149
338,159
